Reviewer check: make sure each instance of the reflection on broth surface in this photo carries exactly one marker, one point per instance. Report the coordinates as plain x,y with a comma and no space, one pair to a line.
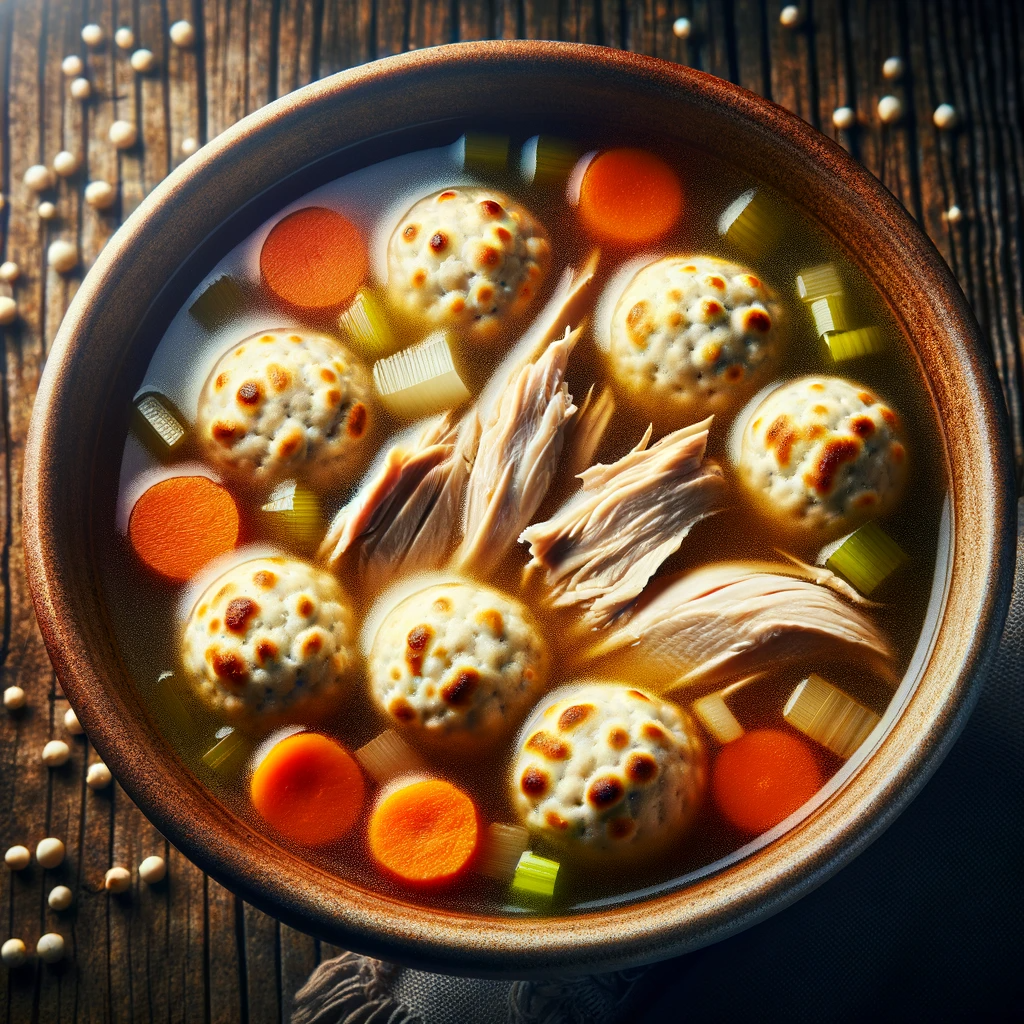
525,523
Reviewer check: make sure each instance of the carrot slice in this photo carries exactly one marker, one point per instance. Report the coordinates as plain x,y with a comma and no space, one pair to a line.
308,788
314,259
180,523
425,833
761,778
630,197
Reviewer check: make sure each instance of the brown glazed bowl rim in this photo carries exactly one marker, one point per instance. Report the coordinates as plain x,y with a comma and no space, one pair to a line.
99,331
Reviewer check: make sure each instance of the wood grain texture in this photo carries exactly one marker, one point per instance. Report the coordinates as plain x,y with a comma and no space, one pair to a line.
187,950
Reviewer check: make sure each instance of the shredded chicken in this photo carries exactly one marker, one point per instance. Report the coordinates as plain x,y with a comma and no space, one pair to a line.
406,514
587,430
733,618
520,445
603,546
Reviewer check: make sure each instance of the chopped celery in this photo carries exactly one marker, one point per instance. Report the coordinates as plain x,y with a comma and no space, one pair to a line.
366,325
829,314
484,153
220,303
292,514
828,716
169,697
503,846
749,223
716,717
867,557
864,341
548,161
420,380
535,876
159,425
817,282
227,753
388,756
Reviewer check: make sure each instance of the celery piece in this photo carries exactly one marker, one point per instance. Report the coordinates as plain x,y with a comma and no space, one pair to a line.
817,282
829,315
547,161
716,717
749,223
292,514
388,756
220,303
867,557
864,341
227,753
159,425
503,847
534,877
367,326
420,380
168,694
828,716
485,153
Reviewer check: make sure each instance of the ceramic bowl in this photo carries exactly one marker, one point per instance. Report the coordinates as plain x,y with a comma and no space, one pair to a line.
343,122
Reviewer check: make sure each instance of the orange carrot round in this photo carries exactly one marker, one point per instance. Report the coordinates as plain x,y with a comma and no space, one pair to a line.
761,778
308,788
180,523
425,833
314,259
630,197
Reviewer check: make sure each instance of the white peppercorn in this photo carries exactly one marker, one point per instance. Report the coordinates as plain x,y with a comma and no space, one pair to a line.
60,897
13,953
117,879
124,37
39,178
681,27
183,34
50,947
71,723
98,776
789,16
9,273
152,870
143,61
189,145
65,163
892,68
62,256
46,211
100,194
81,89
8,314
56,753
50,852
72,66
17,858
890,109
944,116
92,35
844,117
122,134
954,214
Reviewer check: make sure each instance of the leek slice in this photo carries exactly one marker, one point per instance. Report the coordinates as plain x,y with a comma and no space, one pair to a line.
484,153
168,694
388,756
534,877
715,716
829,315
292,514
864,341
227,753
503,847
867,557
220,303
828,716
367,326
818,282
420,380
159,425
547,161
749,223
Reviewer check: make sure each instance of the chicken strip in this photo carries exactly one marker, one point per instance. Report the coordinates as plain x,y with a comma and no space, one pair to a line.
520,445
603,546
405,516
732,618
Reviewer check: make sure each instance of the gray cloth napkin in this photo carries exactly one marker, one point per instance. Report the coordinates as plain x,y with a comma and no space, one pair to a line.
873,937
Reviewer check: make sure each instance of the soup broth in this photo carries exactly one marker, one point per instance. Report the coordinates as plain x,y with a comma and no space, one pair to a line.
719,631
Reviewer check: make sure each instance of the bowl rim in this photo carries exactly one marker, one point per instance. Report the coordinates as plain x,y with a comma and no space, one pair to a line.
293,890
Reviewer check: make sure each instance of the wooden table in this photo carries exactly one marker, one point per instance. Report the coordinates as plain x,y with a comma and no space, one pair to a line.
187,949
